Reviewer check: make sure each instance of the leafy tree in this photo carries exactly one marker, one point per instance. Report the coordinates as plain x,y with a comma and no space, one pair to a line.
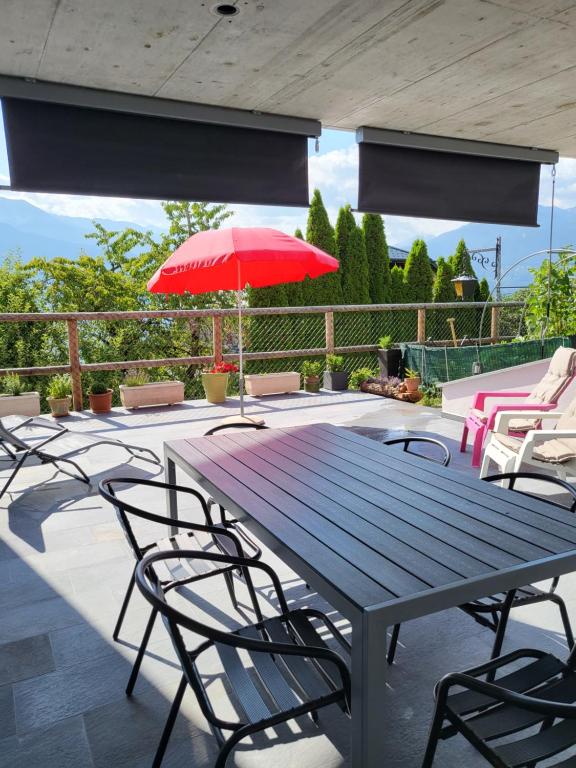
418,274
377,256
443,290
561,299
319,232
397,286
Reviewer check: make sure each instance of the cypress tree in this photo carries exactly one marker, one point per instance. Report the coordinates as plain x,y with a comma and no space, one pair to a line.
443,290
377,257
460,261
418,275
483,290
319,232
397,293
351,252
298,233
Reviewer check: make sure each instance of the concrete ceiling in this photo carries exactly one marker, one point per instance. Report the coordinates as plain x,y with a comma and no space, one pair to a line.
496,70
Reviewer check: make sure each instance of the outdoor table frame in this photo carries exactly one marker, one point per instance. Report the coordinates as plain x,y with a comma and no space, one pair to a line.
382,535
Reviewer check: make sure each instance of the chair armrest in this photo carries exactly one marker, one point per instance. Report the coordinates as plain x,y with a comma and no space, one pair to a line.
504,417
537,407
481,397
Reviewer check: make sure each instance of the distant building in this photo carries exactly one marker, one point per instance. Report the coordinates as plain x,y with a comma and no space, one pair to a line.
398,257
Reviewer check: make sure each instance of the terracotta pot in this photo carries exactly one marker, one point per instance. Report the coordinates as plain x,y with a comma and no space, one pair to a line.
60,406
312,384
101,403
215,386
412,384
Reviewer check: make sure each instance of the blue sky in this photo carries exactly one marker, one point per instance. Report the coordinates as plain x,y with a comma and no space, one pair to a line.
333,169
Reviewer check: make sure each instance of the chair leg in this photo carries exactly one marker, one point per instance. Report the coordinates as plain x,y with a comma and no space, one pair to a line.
484,469
229,746
167,732
433,736
464,440
228,578
565,620
501,630
252,593
122,613
141,652
477,446
13,475
393,644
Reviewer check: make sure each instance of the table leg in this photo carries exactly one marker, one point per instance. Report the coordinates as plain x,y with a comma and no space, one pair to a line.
369,676
171,496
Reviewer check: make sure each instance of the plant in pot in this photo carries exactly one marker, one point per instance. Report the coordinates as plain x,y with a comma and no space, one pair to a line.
137,390
15,400
412,380
389,357
100,396
335,377
59,390
215,381
311,373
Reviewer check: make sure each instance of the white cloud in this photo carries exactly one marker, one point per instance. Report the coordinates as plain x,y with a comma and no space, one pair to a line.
565,195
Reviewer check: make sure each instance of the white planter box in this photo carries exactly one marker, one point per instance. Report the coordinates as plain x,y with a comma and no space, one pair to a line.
26,404
153,393
272,383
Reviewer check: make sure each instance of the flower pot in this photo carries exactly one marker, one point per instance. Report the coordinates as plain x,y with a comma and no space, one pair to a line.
337,381
152,393
59,406
215,386
389,362
101,403
258,384
26,404
312,384
412,384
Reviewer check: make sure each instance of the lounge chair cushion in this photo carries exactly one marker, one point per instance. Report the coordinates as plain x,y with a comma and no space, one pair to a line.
553,451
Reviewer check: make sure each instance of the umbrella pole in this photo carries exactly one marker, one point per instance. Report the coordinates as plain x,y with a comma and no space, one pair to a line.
240,347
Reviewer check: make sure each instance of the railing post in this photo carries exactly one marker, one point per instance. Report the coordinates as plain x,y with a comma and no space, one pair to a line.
217,339
75,369
421,336
329,324
494,324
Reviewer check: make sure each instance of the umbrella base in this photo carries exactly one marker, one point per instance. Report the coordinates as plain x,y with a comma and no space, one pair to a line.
242,420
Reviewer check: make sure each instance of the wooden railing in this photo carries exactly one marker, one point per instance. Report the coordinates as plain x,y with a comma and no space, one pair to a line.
76,367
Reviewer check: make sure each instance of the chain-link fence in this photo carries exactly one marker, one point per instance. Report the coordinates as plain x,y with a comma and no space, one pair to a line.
278,340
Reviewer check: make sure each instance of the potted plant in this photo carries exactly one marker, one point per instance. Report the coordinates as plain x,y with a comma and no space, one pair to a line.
412,380
100,396
137,391
311,373
15,401
360,376
389,357
59,390
215,381
335,377
258,384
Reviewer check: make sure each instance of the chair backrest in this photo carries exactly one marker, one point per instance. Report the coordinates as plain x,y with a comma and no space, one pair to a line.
11,439
560,373
233,425
512,477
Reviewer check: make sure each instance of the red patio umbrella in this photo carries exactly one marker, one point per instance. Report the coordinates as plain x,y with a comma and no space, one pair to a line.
229,259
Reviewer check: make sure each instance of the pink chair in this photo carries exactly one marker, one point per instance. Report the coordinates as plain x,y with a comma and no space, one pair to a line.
544,397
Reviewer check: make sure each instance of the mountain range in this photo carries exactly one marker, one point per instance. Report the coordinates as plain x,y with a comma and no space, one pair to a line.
30,231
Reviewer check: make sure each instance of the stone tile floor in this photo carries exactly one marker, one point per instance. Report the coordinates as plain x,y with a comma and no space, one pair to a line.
63,570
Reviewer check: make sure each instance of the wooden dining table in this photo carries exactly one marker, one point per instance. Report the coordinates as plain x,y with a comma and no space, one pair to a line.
384,536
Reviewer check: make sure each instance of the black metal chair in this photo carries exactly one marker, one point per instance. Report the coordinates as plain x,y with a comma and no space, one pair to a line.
444,461
219,537
533,703
299,673
493,612
406,441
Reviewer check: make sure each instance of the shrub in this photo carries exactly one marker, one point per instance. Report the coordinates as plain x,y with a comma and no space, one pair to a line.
334,363
60,387
385,342
432,396
360,375
98,388
135,377
12,384
311,368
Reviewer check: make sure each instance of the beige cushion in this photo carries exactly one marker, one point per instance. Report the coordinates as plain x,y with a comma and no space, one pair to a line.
555,450
561,369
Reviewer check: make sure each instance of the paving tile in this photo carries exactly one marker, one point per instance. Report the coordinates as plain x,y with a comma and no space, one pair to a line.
30,619
25,658
62,746
7,719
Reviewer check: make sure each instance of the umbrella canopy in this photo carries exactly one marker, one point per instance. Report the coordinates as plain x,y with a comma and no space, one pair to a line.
228,259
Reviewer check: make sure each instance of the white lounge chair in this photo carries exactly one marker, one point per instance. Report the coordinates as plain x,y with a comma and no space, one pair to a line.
552,449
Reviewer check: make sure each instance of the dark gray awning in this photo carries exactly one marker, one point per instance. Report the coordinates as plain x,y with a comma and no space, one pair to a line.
67,149
443,184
